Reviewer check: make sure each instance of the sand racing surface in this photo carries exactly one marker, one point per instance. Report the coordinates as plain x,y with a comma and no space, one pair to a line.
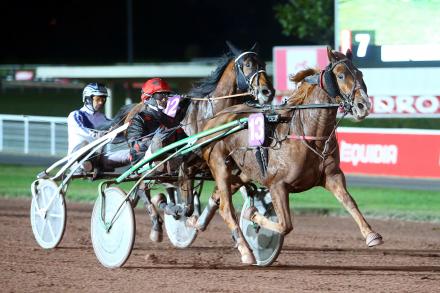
321,254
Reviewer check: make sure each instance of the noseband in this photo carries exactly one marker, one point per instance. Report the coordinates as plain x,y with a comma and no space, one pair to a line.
244,82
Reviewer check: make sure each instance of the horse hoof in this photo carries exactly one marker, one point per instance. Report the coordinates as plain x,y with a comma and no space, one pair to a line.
373,239
249,213
248,259
156,236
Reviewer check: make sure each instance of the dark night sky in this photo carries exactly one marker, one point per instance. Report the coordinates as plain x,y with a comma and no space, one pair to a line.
94,32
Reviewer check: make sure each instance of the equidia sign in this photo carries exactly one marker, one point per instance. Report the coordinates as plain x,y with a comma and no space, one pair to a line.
390,152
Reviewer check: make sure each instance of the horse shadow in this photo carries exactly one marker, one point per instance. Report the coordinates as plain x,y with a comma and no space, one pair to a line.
277,266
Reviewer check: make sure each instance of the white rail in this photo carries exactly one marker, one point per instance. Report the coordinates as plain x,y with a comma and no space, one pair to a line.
36,135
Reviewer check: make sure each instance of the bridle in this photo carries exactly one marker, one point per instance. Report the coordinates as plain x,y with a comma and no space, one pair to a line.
333,89
245,82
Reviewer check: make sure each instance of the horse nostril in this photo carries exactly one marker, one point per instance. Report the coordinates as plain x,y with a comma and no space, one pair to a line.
360,106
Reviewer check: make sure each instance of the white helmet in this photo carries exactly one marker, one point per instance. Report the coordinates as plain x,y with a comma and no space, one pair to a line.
93,89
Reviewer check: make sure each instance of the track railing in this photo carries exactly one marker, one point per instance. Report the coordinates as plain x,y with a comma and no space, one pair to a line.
36,135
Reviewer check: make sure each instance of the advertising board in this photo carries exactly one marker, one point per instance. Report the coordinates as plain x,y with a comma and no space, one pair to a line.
390,152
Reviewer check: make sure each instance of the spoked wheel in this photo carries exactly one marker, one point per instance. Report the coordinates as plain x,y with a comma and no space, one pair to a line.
48,213
265,244
180,235
112,230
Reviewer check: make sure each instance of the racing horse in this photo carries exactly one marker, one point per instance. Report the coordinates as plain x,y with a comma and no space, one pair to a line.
303,150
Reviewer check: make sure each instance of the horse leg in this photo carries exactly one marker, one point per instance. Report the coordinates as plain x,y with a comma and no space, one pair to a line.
200,223
224,179
280,202
337,185
186,185
227,212
156,233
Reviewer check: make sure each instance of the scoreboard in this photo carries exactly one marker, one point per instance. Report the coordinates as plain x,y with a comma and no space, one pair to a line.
389,33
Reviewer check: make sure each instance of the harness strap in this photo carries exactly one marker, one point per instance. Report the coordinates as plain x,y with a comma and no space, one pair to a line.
321,79
307,137
255,74
243,54
221,98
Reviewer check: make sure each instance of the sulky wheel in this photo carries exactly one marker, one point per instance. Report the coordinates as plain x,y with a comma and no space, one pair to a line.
48,213
180,235
112,230
265,244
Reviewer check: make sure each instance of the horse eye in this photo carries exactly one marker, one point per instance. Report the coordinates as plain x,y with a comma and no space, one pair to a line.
248,64
340,76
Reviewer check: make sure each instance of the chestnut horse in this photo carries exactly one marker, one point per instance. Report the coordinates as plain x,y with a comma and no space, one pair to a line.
303,150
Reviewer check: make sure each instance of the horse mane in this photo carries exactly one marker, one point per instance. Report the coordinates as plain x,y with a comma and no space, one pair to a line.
299,76
207,85
303,89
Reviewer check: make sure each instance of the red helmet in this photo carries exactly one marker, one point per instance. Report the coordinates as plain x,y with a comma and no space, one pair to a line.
152,86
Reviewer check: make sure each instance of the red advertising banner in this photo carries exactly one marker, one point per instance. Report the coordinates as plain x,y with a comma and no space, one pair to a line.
390,152
291,59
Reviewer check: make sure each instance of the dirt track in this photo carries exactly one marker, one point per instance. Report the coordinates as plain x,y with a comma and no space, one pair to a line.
321,254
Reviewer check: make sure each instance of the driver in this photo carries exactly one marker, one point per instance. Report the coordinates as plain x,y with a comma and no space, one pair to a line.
82,123
82,128
152,128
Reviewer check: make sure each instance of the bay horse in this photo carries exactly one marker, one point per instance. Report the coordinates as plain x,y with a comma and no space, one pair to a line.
303,150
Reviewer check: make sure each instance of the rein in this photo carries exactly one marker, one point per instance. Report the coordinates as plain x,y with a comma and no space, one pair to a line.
257,108
221,97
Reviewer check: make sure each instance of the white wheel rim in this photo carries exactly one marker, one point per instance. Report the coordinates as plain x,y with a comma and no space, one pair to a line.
113,247
266,244
180,235
48,213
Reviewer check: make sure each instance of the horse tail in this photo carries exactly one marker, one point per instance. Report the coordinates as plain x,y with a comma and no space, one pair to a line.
119,118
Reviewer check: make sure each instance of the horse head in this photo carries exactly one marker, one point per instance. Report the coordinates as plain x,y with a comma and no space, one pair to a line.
250,74
344,79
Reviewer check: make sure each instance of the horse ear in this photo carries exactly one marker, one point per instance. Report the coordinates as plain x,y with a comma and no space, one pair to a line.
331,56
233,49
349,55
255,48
